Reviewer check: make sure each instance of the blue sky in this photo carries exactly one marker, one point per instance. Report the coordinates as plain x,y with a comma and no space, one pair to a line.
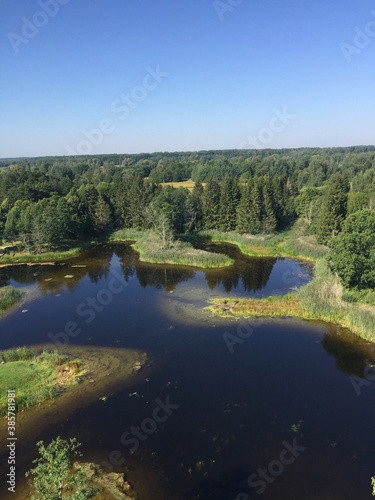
129,76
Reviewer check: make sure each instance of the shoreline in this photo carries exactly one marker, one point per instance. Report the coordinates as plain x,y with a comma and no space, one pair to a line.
48,258
320,299
107,370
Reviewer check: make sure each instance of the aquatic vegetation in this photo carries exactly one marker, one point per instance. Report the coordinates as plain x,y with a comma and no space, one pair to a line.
8,297
286,305
322,299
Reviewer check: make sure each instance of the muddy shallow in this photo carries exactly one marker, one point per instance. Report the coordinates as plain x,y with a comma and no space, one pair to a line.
242,390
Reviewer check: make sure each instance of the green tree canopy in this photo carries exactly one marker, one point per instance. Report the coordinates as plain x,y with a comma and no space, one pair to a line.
334,208
352,254
53,475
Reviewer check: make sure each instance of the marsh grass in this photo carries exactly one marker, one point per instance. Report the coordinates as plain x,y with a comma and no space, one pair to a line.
35,378
323,298
65,251
286,305
149,245
8,297
127,235
294,242
298,242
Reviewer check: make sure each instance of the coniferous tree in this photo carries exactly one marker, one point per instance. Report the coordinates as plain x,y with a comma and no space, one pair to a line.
137,202
121,210
279,199
269,216
255,214
210,204
243,209
229,197
194,207
334,208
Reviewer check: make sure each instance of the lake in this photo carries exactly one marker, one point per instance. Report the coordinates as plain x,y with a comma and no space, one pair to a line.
268,409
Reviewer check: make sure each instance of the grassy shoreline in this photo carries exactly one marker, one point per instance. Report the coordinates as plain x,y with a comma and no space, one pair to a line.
292,243
34,377
324,298
182,253
72,249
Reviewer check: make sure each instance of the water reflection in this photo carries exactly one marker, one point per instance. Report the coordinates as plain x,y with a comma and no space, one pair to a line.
253,274
248,275
351,357
236,409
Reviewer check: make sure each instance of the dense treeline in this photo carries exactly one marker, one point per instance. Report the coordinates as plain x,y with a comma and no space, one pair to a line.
312,166
44,201
46,208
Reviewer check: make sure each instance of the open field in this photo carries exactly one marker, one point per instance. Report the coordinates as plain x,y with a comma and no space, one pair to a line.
189,184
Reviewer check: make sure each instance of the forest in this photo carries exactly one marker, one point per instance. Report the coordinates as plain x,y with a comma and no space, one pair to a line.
45,201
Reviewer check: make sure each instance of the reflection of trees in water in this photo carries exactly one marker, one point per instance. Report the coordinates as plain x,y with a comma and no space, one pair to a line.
97,268
100,262
157,276
350,353
129,259
162,277
254,274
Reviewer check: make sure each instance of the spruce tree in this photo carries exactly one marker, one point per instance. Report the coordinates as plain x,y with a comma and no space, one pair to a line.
243,209
255,214
229,197
137,202
194,207
334,208
269,216
210,204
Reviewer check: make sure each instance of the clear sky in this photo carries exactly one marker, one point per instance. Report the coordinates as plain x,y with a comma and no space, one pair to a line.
129,76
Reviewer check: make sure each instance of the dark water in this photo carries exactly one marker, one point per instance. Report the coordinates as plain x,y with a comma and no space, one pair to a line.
241,395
